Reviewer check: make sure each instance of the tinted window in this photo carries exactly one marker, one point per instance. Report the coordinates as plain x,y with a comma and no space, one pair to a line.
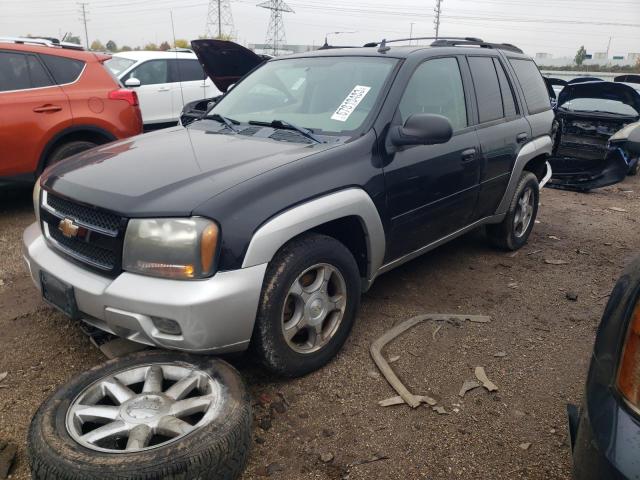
508,101
186,71
150,73
20,72
436,87
535,91
485,81
64,70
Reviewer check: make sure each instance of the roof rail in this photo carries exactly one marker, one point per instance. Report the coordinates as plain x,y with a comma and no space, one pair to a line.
45,41
180,50
446,42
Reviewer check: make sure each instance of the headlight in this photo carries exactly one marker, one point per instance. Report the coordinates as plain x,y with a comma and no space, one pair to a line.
628,380
36,199
182,248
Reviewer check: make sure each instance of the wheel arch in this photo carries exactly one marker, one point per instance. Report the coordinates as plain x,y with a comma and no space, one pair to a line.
533,158
89,133
348,215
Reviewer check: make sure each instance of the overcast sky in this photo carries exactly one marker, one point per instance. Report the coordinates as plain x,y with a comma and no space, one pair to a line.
555,26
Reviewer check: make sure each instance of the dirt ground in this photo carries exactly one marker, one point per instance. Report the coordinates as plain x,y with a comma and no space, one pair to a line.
535,349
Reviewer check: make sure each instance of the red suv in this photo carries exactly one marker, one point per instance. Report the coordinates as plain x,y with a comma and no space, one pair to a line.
57,100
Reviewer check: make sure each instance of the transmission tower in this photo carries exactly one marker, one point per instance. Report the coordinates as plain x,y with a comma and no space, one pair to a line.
219,20
436,21
275,35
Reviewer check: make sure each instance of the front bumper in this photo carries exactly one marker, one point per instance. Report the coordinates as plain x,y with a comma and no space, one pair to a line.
216,315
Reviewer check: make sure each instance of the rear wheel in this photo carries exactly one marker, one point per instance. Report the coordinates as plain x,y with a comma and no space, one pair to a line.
516,227
309,302
67,149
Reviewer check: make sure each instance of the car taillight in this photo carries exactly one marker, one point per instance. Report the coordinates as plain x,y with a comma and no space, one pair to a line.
125,94
629,369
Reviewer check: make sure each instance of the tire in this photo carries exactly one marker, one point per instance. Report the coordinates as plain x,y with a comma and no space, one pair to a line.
634,168
66,150
216,449
279,307
507,235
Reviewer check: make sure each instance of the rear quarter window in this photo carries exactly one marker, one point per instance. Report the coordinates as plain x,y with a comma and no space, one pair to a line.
536,95
64,70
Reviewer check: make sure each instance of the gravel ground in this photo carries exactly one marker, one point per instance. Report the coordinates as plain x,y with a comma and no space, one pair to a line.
328,425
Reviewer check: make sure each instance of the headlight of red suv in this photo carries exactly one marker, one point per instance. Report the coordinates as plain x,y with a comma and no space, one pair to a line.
180,248
628,380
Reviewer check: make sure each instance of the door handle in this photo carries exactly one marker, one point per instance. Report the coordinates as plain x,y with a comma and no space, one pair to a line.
522,137
164,89
468,155
47,108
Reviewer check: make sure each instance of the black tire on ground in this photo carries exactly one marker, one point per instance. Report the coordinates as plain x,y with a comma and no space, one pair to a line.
636,167
503,235
268,342
218,450
66,150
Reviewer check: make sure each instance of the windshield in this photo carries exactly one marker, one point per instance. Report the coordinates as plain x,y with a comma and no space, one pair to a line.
599,105
328,94
117,65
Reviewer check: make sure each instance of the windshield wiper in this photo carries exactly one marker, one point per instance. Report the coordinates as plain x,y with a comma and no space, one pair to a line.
229,122
289,126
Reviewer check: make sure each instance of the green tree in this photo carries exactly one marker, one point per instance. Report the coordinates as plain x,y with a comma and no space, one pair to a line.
150,46
125,48
71,38
580,55
164,46
181,43
112,46
97,45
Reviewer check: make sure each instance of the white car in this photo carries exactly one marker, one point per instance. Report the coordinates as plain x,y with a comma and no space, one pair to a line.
164,82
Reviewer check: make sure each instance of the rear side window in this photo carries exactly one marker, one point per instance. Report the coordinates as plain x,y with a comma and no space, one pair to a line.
508,100
535,91
21,72
485,81
64,70
186,71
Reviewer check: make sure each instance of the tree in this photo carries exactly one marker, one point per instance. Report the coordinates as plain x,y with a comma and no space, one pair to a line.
580,55
69,37
150,46
112,46
125,48
97,45
181,43
164,46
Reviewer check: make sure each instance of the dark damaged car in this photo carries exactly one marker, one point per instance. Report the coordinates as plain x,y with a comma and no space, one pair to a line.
587,152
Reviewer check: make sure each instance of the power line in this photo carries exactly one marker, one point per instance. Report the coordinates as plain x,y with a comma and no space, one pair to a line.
436,20
275,34
219,19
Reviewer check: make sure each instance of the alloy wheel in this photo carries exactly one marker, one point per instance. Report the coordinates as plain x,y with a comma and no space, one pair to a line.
524,212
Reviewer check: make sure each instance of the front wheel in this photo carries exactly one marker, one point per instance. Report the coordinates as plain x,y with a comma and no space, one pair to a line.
309,302
516,227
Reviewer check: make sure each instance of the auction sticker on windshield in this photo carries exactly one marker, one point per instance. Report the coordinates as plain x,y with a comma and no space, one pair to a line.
350,103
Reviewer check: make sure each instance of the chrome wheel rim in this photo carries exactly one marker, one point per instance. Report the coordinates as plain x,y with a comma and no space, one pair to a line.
314,308
524,212
143,407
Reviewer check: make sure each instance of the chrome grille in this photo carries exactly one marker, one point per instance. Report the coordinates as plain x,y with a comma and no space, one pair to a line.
85,215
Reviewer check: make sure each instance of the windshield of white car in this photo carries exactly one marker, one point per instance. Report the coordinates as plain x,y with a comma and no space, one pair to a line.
599,105
332,95
117,65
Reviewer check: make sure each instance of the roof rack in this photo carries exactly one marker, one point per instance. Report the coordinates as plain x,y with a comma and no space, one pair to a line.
180,50
45,41
446,42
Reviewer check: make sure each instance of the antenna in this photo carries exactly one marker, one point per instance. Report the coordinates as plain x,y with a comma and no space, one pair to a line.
173,30
275,35
219,20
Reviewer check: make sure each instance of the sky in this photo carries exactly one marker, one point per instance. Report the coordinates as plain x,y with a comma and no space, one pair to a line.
558,27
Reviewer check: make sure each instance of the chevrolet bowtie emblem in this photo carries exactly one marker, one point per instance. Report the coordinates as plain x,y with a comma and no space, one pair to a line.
68,228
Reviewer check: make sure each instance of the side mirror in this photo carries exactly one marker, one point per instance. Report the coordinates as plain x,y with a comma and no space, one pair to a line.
132,82
422,129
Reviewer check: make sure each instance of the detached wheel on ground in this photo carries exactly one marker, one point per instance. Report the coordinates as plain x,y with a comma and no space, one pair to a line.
67,149
310,298
153,415
514,230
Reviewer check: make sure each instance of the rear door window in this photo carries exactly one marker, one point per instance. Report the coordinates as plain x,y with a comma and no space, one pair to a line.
186,71
487,86
535,91
64,70
21,72
508,100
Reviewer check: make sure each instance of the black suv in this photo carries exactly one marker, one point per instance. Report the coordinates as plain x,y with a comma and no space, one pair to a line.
261,223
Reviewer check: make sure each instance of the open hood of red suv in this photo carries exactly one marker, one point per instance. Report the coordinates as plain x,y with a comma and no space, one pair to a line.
225,62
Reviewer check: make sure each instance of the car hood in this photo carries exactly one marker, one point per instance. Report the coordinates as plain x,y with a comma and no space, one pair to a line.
604,90
169,172
225,62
